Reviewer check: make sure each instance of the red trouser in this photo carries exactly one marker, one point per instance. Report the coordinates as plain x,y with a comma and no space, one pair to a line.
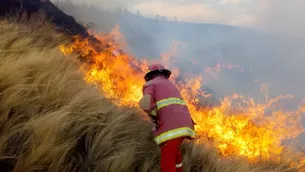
171,158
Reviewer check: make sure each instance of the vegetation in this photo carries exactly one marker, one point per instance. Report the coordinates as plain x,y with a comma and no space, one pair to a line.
52,120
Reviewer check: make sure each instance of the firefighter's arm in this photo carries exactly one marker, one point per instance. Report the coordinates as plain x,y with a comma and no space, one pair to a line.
147,103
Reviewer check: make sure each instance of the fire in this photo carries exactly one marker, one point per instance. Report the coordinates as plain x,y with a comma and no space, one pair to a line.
303,107
220,66
119,76
214,71
238,126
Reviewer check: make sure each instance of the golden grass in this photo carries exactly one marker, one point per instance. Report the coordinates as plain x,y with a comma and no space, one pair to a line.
52,120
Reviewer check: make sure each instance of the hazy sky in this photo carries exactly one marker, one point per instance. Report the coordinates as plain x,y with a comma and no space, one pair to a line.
271,15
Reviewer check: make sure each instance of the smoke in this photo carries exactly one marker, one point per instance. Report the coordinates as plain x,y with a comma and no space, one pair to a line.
276,60
102,4
281,16
287,20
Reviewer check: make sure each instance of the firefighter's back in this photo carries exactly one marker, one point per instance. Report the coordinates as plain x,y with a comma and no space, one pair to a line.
172,109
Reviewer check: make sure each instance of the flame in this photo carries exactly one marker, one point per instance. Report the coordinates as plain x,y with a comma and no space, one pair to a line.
214,71
220,66
302,108
239,126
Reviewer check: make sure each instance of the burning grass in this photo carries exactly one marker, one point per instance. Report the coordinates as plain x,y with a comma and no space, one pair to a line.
239,126
53,120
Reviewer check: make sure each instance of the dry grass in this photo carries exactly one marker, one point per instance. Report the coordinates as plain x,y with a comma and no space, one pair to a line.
52,120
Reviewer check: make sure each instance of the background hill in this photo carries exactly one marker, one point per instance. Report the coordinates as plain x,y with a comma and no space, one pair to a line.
270,58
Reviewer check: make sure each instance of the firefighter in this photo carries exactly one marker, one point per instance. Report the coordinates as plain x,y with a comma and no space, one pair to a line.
173,123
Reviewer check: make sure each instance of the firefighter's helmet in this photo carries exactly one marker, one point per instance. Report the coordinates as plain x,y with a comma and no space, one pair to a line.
156,69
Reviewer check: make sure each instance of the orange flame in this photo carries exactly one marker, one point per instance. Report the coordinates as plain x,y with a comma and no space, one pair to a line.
302,109
239,126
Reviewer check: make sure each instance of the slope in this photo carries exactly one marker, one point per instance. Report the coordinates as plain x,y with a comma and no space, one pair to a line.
27,8
52,120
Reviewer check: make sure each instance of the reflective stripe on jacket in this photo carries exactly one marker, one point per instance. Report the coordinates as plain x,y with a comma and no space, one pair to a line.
173,116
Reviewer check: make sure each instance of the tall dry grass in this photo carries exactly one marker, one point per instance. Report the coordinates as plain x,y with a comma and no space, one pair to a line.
52,120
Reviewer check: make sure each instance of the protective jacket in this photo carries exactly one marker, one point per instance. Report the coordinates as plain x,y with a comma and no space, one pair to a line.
172,114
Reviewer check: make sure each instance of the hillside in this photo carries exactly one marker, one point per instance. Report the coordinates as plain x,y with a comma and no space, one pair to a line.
71,107
25,9
263,56
52,120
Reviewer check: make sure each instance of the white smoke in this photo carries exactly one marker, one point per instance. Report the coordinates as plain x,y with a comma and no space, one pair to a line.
281,16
